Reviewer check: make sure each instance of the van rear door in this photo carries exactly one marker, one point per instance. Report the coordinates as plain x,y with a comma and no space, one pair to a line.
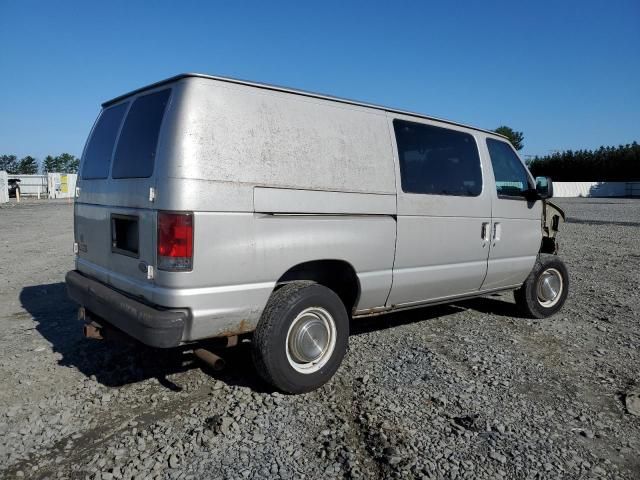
115,219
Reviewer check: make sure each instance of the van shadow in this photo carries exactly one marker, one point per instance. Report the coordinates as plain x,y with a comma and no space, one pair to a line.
493,305
116,364
110,363
384,321
488,305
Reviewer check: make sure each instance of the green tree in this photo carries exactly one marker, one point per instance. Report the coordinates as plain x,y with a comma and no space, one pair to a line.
68,163
63,163
606,164
516,138
9,163
50,165
28,165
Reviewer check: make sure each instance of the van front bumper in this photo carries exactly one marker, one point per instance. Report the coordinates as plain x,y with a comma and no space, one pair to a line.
149,325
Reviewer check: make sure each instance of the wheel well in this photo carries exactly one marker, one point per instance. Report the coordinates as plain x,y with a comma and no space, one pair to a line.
337,275
549,245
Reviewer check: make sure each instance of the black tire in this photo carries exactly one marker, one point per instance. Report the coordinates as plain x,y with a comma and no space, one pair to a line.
528,300
271,353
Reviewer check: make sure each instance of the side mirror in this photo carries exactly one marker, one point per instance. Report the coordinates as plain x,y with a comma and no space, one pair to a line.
544,187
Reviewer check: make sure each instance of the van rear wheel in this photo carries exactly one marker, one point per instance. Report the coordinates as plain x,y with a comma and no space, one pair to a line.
301,338
546,288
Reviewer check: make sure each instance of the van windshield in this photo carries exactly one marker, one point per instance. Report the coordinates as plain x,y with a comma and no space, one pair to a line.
136,150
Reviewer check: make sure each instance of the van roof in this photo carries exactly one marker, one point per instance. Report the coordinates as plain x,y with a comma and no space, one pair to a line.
293,91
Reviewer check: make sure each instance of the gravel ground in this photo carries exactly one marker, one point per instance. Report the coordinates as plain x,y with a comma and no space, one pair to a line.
462,391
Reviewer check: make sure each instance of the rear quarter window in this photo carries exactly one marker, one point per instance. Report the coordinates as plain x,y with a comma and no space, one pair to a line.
97,156
136,149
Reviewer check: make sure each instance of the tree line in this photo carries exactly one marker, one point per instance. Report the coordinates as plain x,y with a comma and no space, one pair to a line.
63,163
605,164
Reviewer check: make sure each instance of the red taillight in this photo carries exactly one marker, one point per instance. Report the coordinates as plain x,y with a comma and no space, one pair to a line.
175,241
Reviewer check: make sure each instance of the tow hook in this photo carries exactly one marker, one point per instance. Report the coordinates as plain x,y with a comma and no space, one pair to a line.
92,330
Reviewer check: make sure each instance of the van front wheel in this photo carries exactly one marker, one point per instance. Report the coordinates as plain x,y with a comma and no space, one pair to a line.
301,338
546,288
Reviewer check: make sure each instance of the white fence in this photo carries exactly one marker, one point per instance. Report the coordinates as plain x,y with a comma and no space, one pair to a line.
633,189
596,189
62,185
32,185
50,185
4,187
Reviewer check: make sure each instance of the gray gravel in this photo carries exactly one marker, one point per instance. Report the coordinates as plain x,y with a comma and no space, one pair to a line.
462,391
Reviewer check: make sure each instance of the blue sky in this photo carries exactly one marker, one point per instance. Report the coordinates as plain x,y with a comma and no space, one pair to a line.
566,73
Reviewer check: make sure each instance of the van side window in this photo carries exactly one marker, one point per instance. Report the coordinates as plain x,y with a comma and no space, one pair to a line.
97,157
437,161
136,150
510,175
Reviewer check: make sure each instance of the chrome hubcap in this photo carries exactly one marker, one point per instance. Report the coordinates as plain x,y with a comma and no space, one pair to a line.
550,287
311,340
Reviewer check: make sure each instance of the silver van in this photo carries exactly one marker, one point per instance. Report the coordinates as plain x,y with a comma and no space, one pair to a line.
211,207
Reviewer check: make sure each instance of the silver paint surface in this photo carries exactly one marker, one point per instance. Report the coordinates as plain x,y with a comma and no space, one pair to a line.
276,179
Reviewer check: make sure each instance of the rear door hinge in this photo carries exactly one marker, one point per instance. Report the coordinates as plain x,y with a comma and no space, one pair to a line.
152,194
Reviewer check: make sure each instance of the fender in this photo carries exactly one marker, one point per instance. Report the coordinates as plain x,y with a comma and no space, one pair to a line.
552,217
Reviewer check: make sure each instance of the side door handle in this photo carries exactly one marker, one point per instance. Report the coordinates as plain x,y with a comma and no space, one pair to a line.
484,232
497,232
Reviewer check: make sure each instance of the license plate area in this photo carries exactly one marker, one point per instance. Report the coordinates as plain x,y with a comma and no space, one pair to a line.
125,238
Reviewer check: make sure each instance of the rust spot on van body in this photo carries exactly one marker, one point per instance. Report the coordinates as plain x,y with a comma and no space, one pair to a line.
243,327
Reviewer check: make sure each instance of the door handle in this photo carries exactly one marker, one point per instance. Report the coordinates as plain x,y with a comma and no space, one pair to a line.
484,232
497,231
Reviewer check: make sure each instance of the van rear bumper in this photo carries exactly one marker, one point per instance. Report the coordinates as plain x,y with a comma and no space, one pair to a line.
151,326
